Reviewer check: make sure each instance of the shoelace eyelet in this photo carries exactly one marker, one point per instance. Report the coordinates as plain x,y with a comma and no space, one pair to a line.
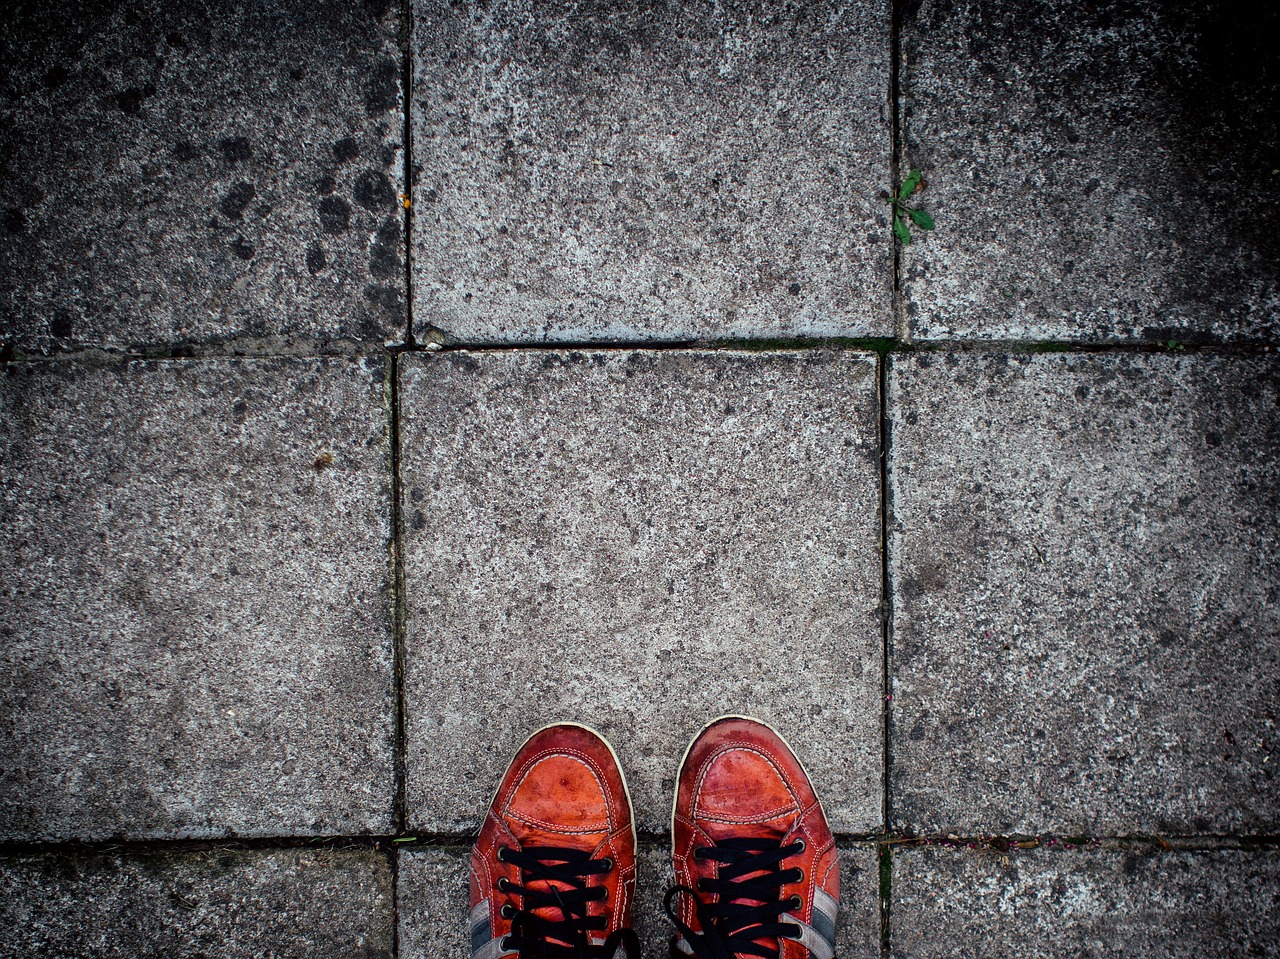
508,911
795,902
502,854
503,884
801,844
608,865
505,944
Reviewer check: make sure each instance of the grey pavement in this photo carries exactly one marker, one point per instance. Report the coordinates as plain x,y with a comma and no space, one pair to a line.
194,599
380,381
1101,172
644,542
1141,901
191,173
259,904
1084,563
668,172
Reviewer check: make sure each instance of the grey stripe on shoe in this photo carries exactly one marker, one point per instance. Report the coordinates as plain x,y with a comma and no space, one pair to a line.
825,910
819,946
819,938
481,928
492,950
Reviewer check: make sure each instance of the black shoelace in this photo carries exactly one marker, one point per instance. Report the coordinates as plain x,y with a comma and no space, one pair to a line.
745,921
537,937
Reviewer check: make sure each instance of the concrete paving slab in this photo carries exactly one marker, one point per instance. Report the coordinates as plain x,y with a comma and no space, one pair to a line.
221,902
175,173
1097,172
193,599
641,542
1085,560
963,903
589,172
432,903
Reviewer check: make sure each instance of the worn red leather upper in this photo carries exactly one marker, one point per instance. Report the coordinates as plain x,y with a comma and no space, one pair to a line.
563,789
740,779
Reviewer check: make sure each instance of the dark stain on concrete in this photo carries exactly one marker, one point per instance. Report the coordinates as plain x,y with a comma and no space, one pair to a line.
382,92
237,200
345,150
235,149
56,76
335,214
373,190
387,299
384,254
131,100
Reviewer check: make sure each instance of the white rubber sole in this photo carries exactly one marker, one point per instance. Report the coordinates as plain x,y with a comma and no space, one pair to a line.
688,749
626,789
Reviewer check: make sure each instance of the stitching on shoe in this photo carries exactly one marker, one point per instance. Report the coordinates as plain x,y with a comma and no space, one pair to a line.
831,865
596,772
488,885
742,746
749,820
556,827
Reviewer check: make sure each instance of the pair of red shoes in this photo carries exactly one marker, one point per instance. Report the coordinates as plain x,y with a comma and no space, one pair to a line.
553,872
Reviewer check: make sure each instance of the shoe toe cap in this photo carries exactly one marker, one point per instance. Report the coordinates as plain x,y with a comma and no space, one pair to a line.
561,792
741,783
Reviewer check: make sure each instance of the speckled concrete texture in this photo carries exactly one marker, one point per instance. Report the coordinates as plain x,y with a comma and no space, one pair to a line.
1097,171
174,173
432,903
1084,565
965,904
260,904
193,599
651,171
641,542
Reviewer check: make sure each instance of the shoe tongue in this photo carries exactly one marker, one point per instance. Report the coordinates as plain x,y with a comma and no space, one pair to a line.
559,803
740,787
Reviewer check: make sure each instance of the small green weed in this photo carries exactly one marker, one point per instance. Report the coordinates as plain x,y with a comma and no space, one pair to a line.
903,213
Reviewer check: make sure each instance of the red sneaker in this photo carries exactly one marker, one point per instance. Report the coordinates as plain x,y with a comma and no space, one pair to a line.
553,873
755,862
